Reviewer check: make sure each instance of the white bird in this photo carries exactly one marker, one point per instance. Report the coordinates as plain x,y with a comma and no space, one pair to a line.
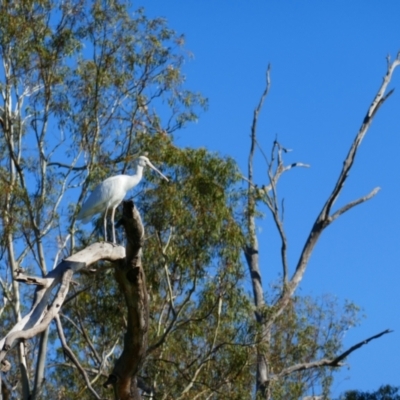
109,194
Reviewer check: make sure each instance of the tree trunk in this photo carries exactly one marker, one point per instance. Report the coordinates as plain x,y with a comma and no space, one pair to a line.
132,283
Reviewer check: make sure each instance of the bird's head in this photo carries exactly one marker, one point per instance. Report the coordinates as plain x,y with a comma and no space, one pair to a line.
144,161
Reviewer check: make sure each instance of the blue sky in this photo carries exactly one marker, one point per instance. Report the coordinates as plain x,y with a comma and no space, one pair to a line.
328,60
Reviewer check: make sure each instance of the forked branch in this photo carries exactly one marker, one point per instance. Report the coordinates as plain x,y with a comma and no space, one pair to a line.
131,279
325,217
268,194
44,309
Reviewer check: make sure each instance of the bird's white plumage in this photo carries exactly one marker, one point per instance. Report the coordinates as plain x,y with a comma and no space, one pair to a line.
106,195
109,194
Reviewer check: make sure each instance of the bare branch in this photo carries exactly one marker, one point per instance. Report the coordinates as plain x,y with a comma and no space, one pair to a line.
324,218
274,176
255,121
342,356
329,362
352,204
163,251
67,166
272,201
29,280
40,315
70,354
41,364
282,234
380,98
48,315
251,247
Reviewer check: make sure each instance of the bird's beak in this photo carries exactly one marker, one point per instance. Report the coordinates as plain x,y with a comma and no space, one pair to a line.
155,169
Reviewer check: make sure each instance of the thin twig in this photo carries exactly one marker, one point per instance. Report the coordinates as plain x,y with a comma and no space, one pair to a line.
72,357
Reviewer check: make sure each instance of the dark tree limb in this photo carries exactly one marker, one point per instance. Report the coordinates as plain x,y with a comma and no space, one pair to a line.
131,279
329,362
132,283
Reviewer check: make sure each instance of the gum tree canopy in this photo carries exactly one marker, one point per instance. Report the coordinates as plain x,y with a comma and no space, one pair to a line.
86,88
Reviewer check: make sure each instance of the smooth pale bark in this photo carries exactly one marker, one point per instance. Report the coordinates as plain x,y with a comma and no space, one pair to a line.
41,313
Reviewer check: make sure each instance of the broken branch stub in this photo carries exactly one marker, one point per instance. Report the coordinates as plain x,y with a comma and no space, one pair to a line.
132,284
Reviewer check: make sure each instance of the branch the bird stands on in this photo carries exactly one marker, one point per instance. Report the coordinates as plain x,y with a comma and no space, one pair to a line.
131,279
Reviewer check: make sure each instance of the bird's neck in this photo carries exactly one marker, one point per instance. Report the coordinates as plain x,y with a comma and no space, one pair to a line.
133,180
139,171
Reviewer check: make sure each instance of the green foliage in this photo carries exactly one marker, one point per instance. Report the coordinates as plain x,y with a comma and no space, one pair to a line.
385,392
309,330
95,75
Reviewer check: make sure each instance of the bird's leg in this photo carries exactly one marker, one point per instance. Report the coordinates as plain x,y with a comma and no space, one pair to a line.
105,225
112,223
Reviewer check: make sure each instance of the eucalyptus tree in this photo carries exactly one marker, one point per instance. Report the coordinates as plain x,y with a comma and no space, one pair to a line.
86,87
80,84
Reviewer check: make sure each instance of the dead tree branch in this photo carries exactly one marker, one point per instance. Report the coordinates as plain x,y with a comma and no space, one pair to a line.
131,279
268,194
44,309
272,200
132,283
251,250
325,218
329,362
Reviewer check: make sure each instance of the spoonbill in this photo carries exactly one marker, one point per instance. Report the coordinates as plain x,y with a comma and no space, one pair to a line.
109,194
